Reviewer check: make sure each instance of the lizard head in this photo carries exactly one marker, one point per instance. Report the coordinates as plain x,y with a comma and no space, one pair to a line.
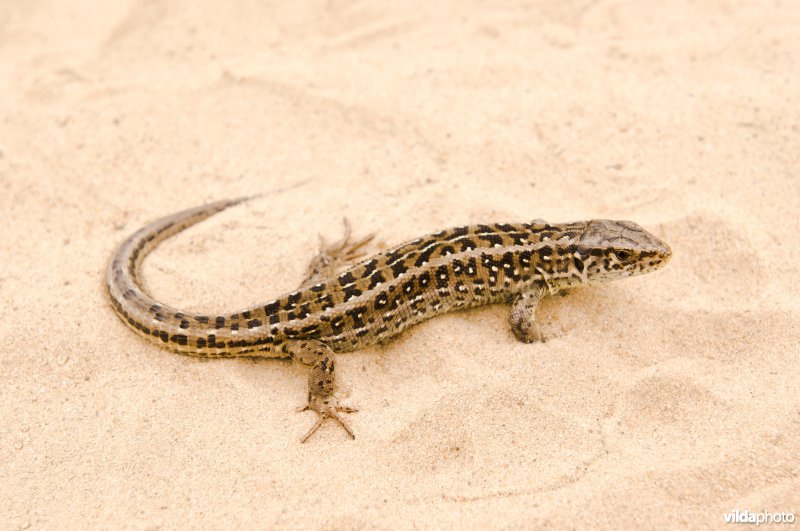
610,249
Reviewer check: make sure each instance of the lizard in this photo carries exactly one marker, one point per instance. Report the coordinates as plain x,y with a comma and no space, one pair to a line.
343,306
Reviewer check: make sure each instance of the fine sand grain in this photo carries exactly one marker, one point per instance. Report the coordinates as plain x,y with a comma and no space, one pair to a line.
668,399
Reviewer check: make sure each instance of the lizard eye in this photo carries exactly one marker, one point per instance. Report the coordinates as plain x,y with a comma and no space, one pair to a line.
622,255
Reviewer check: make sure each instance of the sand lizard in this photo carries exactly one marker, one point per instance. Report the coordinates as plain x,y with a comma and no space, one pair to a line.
339,310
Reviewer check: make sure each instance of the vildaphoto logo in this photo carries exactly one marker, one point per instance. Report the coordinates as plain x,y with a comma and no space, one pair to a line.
764,517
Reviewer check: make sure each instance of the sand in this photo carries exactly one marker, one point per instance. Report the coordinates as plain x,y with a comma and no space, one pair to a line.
668,399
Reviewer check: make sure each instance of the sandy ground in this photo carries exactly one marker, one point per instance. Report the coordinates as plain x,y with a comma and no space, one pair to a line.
670,398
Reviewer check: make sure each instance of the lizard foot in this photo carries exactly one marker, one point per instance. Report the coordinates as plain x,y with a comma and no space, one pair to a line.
333,256
529,333
344,250
326,409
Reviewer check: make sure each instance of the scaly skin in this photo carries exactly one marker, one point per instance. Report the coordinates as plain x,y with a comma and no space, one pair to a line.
379,297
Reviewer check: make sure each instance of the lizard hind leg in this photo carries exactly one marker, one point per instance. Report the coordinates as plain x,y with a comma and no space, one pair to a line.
332,257
523,315
321,383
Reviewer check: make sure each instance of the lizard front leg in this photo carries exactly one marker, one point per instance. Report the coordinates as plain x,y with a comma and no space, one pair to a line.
321,382
523,315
